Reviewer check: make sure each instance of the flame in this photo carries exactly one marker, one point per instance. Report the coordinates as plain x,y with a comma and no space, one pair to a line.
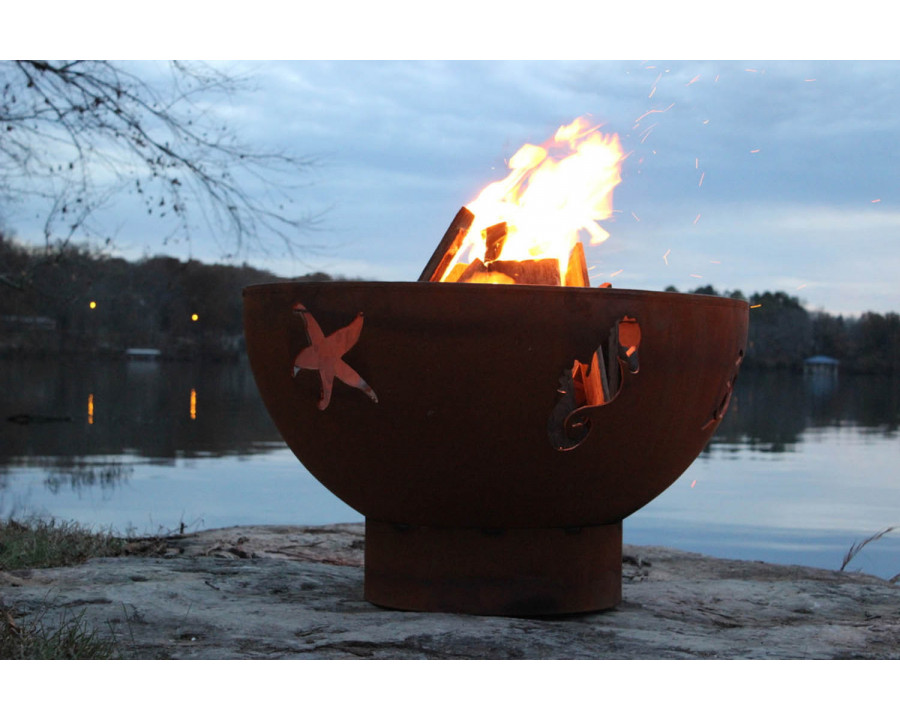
552,198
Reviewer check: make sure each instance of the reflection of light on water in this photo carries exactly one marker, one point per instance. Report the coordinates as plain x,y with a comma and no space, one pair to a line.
193,404
91,409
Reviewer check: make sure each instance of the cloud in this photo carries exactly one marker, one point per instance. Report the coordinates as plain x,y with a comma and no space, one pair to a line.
791,155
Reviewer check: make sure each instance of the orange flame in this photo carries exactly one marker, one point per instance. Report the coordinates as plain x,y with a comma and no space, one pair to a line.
553,197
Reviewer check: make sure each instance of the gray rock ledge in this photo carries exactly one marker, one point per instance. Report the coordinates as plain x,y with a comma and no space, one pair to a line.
296,592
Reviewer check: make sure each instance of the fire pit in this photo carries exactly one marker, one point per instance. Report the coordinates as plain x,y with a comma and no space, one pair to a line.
497,420
491,484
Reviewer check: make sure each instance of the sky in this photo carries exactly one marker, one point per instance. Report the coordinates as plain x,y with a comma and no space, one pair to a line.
756,175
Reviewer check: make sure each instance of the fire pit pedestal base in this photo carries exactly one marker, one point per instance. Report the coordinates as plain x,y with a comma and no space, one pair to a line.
484,571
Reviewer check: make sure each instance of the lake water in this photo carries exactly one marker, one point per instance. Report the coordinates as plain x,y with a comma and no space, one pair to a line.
800,469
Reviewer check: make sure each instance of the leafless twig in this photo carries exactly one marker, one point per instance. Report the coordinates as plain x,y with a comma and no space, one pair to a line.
73,134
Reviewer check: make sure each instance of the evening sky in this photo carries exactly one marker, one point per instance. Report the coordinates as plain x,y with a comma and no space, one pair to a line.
743,174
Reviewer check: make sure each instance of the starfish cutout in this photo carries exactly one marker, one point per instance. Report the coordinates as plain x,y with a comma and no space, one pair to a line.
324,354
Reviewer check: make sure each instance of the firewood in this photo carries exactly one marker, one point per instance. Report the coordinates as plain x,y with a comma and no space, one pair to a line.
629,333
476,267
448,246
478,272
456,271
598,379
529,272
624,341
576,272
494,238
590,382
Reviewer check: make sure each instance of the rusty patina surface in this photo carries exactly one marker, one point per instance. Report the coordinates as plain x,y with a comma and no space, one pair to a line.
466,431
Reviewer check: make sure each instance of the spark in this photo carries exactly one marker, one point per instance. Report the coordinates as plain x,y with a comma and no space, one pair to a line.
702,175
754,151
652,92
750,70
666,256
697,219
646,133
650,112
706,122
755,306
809,80
693,482
696,163
801,286
877,200
635,216
716,262
693,80
617,272
717,78
695,275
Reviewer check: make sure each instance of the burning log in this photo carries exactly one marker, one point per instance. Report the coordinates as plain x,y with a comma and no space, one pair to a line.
543,271
477,272
590,381
624,341
448,246
471,272
629,340
576,272
529,272
507,272
494,237
456,272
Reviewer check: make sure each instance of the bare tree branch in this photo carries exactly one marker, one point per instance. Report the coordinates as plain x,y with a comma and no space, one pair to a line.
74,134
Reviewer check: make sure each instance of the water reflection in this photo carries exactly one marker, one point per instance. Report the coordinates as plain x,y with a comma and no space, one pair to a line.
770,411
147,409
800,468
80,476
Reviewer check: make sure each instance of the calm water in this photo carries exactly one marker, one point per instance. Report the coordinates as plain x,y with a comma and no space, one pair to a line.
800,469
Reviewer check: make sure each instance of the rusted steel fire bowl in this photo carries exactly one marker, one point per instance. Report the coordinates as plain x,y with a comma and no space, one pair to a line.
489,482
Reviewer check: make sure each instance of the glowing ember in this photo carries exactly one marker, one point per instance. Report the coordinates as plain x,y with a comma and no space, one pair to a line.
552,199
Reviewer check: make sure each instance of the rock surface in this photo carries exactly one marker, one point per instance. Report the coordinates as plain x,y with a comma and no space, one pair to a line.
296,592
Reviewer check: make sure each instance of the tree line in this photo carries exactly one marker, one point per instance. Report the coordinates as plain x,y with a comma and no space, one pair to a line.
74,300
783,334
79,301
